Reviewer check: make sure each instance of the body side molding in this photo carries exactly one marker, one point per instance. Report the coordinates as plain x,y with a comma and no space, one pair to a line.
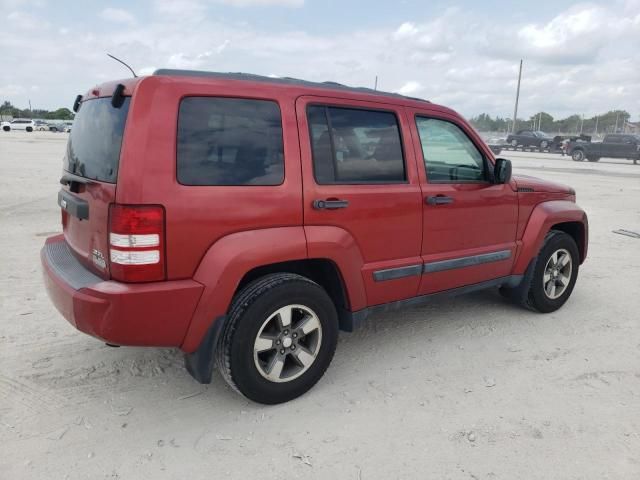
441,265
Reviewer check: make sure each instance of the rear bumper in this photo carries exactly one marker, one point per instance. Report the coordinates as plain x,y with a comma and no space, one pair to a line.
144,314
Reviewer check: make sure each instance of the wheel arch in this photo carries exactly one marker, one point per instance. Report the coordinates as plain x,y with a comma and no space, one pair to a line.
322,271
561,215
577,231
327,256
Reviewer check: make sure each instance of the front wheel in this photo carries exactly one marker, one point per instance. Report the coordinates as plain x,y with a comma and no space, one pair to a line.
280,338
514,143
544,144
555,273
577,155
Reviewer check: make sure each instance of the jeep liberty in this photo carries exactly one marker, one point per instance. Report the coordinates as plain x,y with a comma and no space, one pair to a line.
246,220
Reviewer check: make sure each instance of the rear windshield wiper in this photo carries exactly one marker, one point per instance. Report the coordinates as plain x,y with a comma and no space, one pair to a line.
69,178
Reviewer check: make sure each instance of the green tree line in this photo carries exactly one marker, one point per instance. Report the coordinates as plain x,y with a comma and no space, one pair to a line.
8,110
609,122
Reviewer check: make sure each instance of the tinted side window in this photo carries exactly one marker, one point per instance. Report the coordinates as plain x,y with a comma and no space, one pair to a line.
449,155
611,139
355,146
229,141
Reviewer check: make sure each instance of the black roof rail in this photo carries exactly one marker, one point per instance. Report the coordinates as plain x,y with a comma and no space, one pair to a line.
329,85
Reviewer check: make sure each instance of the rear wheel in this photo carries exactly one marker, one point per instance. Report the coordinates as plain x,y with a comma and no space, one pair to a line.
280,337
514,143
577,155
594,159
6,128
29,129
544,144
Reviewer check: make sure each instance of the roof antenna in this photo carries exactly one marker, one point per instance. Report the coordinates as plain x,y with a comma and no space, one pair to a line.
118,60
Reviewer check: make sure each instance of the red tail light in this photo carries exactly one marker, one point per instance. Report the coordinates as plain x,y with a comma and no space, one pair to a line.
136,243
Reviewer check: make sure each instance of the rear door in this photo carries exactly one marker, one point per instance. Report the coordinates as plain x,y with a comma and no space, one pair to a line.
358,177
89,179
469,233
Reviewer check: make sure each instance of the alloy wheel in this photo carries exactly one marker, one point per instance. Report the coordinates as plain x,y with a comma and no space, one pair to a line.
287,343
557,274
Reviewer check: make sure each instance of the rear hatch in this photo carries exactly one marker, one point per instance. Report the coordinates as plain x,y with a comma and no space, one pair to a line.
89,180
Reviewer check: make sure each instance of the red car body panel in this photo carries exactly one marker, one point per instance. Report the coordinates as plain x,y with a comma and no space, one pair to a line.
216,235
228,260
544,216
145,314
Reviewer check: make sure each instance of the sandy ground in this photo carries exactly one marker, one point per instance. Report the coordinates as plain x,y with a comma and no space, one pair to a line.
470,388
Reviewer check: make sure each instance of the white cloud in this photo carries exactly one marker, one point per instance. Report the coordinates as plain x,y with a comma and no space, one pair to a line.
117,15
25,21
410,88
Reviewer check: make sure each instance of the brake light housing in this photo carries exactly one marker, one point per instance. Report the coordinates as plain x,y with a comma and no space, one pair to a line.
137,243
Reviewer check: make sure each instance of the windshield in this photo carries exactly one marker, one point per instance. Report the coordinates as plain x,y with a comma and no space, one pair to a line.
93,149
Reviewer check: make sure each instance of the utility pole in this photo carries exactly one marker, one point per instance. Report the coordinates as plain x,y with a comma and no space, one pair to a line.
540,121
515,110
375,85
596,133
581,123
30,109
616,129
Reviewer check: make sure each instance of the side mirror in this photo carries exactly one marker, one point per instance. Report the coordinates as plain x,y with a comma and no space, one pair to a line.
502,171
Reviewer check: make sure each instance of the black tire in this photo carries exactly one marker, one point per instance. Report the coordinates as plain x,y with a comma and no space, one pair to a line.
29,129
594,159
6,129
514,143
251,306
577,155
544,144
536,298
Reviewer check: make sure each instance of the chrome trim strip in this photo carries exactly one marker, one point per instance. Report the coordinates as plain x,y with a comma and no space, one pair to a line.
462,262
395,273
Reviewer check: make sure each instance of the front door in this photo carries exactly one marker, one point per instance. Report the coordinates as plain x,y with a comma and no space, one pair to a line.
361,184
469,233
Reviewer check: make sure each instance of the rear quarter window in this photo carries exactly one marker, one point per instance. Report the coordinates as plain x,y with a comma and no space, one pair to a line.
229,141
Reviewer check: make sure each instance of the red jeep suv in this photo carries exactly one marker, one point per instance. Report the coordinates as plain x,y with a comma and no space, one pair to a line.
246,220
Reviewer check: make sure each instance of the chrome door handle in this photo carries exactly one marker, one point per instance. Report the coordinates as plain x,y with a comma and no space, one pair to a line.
439,200
330,204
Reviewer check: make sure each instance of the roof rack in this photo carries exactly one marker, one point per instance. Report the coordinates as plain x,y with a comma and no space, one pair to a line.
279,80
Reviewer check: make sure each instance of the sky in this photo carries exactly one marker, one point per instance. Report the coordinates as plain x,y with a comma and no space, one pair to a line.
578,57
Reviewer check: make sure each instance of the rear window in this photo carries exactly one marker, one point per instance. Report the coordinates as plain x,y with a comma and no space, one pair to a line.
93,149
229,141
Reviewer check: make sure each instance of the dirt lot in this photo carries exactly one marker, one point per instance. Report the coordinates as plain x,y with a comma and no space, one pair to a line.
470,388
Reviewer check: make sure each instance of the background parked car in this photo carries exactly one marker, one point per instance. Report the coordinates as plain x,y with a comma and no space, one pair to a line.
530,138
19,124
41,126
